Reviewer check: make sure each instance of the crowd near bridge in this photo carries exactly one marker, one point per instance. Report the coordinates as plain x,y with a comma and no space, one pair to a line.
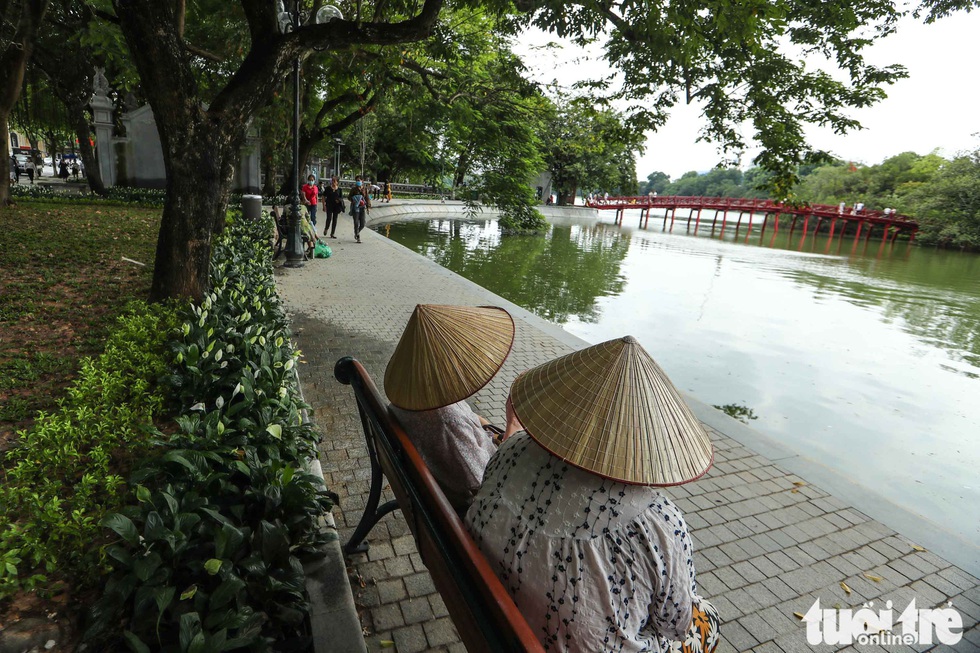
724,209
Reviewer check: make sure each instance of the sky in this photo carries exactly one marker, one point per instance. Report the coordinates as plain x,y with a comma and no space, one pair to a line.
937,106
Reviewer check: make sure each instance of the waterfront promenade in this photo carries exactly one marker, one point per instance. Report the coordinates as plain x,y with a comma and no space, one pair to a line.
769,541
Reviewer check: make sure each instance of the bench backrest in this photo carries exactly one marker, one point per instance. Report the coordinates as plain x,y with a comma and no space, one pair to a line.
481,608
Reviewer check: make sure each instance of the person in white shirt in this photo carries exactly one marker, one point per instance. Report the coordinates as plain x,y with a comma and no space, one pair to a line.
595,557
446,354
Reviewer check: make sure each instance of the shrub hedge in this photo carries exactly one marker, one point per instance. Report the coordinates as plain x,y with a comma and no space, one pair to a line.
209,556
64,474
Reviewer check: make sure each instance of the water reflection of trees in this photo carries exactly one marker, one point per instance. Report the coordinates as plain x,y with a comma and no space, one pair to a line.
554,276
933,294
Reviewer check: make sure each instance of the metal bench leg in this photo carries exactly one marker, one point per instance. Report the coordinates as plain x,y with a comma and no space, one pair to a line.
372,512
357,544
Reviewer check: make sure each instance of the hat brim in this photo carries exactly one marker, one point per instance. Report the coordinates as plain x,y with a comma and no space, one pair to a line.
610,410
446,354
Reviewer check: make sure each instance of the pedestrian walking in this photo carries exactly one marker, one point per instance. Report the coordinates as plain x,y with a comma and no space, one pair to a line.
75,170
29,167
63,170
333,205
360,204
14,170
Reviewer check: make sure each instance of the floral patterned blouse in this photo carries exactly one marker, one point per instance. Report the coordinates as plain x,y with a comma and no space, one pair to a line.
594,565
453,445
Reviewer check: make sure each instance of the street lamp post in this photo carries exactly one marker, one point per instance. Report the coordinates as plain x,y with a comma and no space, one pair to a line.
336,168
291,21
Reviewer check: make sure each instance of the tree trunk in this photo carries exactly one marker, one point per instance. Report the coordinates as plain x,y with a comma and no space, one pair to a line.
201,146
198,185
4,161
83,132
269,172
13,63
462,168
567,199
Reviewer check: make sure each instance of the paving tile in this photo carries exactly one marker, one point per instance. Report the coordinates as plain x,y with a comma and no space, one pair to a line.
747,571
416,610
758,627
440,632
738,637
392,590
410,640
388,617
731,578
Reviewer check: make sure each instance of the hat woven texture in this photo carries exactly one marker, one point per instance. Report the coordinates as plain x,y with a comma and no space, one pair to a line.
611,410
446,354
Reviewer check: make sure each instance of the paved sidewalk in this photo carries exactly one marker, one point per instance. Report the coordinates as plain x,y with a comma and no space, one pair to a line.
769,543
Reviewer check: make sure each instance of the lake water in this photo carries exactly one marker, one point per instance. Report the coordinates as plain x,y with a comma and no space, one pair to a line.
862,355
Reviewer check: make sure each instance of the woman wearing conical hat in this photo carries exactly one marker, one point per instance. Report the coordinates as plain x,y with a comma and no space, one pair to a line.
595,557
446,354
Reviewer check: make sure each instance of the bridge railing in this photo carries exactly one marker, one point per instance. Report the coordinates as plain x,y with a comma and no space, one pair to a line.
821,211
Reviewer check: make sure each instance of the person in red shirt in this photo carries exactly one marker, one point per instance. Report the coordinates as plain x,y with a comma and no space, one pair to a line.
311,197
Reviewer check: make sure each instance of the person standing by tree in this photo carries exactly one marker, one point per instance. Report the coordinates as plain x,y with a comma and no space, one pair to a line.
14,169
333,205
63,169
311,197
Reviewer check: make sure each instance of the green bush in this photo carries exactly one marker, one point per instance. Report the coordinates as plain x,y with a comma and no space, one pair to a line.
209,557
63,475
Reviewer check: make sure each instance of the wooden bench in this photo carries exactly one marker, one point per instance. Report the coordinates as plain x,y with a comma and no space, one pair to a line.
483,611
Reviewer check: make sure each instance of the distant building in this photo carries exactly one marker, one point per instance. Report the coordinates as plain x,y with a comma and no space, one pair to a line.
136,159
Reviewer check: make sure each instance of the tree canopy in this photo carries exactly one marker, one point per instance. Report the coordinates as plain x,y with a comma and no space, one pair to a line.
590,148
209,69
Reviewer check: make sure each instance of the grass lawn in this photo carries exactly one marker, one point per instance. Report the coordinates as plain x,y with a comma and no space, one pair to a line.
63,281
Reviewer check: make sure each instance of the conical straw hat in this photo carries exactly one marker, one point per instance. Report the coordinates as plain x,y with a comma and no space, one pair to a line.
446,354
611,410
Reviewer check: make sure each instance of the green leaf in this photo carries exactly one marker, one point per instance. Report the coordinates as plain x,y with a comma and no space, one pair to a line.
213,566
120,554
275,430
171,502
217,516
173,457
145,566
226,592
188,593
275,546
163,596
155,529
142,494
123,526
135,643
190,626
198,645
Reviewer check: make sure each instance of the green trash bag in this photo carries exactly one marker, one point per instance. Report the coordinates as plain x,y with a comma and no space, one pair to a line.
322,250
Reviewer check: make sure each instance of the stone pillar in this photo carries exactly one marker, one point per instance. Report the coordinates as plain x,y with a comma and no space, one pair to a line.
102,113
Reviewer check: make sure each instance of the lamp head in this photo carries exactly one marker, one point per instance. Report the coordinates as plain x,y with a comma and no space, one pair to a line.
328,13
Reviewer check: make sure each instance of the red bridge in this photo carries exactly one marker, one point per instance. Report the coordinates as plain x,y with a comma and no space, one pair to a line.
891,223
